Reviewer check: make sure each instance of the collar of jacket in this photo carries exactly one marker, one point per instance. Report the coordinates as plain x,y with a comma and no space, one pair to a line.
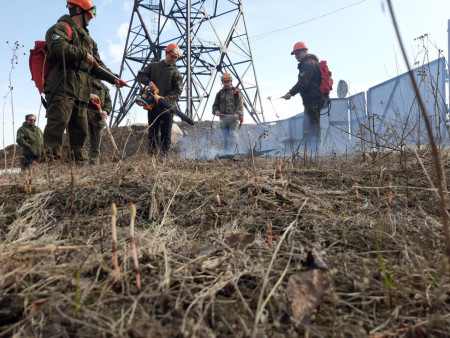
165,64
28,126
306,58
68,19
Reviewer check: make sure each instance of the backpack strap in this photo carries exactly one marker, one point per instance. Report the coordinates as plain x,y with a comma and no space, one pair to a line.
236,96
69,30
44,102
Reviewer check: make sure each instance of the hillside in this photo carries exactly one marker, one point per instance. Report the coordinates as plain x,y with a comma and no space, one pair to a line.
217,241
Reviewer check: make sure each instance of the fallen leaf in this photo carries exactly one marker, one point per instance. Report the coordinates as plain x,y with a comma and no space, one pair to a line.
35,306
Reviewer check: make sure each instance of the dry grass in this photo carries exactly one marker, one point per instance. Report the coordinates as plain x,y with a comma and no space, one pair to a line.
205,264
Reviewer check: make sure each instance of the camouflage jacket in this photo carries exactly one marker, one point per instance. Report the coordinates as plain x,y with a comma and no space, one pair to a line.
309,78
72,53
99,89
167,78
31,140
227,102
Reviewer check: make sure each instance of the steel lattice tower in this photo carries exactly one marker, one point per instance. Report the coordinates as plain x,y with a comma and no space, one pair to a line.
213,36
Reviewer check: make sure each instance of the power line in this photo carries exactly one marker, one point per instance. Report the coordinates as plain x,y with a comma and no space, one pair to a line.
309,20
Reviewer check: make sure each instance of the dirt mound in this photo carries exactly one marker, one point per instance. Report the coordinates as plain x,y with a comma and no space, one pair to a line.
131,140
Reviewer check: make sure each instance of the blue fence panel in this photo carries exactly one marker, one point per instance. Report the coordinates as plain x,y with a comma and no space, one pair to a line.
393,107
335,138
391,118
358,121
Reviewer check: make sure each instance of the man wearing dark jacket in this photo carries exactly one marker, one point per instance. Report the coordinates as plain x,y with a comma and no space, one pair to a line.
229,106
165,80
74,56
29,136
309,78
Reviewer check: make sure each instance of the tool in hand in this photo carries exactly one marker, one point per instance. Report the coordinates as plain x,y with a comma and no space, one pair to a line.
122,82
150,98
99,107
270,99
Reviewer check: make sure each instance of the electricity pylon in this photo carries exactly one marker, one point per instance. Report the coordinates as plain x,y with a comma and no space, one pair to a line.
213,36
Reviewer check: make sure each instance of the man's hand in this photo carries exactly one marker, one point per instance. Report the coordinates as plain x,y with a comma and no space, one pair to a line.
90,60
104,114
151,85
218,113
94,97
287,96
119,83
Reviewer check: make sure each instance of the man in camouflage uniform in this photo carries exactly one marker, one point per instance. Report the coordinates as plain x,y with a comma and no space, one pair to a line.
164,78
29,136
73,55
229,105
97,119
308,83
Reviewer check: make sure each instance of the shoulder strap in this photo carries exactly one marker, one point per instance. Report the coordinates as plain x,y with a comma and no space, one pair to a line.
236,96
69,30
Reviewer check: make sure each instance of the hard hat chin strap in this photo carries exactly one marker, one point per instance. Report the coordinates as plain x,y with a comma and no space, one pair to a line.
81,13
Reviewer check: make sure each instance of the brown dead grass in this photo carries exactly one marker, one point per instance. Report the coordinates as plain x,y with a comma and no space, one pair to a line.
203,273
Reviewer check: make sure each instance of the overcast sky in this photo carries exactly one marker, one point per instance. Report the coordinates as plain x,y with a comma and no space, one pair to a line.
356,37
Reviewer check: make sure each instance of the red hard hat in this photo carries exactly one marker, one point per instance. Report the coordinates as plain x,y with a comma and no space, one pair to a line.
174,50
298,46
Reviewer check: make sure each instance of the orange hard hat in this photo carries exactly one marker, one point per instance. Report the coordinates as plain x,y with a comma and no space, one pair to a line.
298,46
87,5
227,77
174,50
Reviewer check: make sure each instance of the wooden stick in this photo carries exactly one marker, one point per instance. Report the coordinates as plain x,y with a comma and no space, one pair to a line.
215,212
269,233
280,172
390,194
274,180
25,185
219,202
133,246
249,189
30,180
114,241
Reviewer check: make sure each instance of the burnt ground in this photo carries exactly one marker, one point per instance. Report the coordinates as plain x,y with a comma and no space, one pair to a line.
217,243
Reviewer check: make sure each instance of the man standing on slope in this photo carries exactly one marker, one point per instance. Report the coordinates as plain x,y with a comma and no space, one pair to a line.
74,56
164,79
309,78
29,136
229,106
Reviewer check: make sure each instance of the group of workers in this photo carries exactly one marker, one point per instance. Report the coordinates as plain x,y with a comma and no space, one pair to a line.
79,103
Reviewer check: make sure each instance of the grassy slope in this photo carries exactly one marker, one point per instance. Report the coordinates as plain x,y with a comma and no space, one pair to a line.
56,259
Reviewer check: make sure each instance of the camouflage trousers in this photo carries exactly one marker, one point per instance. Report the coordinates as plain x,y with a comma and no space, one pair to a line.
66,114
311,126
229,126
96,124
